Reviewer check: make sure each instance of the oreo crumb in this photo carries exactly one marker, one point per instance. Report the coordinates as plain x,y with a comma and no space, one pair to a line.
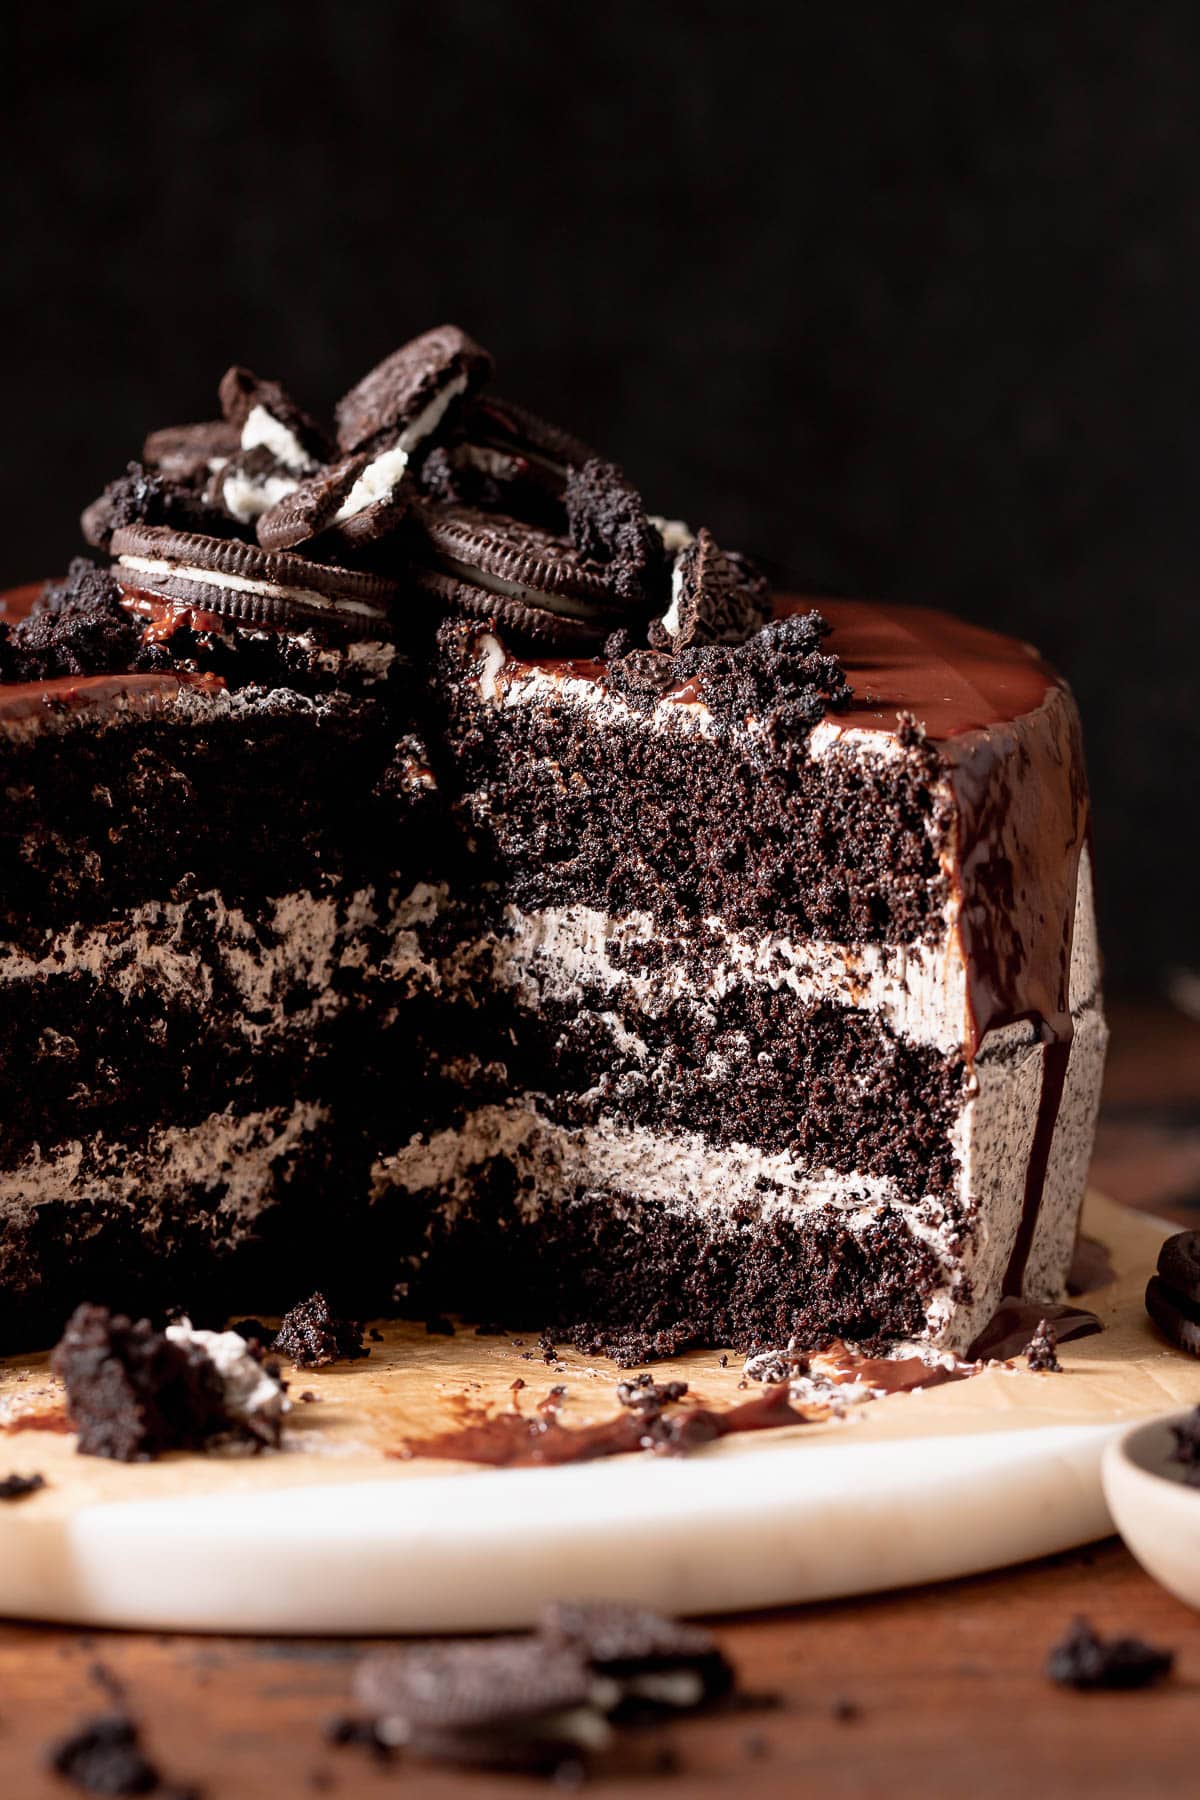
439,1328
104,1756
144,496
843,1710
346,1728
15,1487
79,627
253,1330
308,1396
311,1337
1041,1353
376,1337
781,676
133,1393
1089,1662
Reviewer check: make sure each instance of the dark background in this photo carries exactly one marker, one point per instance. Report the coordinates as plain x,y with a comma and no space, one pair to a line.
902,298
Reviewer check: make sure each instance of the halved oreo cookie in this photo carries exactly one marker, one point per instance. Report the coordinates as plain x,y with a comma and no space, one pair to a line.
266,417
245,584
191,452
714,599
353,503
491,566
249,483
412,393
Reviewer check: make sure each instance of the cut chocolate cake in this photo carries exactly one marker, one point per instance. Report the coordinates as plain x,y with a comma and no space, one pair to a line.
476,895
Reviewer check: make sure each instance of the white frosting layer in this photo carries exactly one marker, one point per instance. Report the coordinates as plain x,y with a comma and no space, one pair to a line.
232,1157
302,943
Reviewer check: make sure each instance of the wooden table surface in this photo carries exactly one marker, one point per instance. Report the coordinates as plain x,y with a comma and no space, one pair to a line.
931,1691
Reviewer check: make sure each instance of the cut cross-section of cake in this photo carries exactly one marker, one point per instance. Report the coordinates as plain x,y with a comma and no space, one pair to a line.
795,1012
473,896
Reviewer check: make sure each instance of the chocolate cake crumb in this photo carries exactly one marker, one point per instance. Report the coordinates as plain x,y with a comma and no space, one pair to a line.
1041,1353
78,628
308,1396
608,524
1087,1661
643,1393
104,1756
132,1393
311,1337
15,1487
1187,1447
144,496
780,676
439,1328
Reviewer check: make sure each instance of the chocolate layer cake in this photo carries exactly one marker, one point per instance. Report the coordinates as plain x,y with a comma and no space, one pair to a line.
425,871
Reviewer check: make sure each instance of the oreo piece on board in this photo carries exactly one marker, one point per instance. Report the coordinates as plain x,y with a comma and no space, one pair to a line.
191,452
246,584
1173,1295
265,416
508,1701
354,503
412,393
713,599
1176,1317
538,586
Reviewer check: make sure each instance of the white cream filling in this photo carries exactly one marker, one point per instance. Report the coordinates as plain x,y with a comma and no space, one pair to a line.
675,534
431,415
248,499
378,481
150,565
252,1396
670,619
263,430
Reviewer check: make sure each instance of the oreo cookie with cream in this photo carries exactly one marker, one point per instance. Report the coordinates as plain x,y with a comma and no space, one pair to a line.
247,585
266,417
715,599
349,505
413,393
538,586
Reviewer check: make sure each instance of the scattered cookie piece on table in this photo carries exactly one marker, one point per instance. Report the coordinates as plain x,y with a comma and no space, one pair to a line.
1041,1353
1087,1661
17,1487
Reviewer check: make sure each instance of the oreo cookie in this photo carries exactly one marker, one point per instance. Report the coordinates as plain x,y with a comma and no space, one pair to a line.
663,1661
191,452
266,417
715,599
1173,1295
507,1702
503,425
246,584
351,505
412,393
490,566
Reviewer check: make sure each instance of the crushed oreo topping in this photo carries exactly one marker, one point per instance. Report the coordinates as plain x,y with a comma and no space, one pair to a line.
144,496
16,1487
1041,1353
1087,1661
311,1337
78,628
